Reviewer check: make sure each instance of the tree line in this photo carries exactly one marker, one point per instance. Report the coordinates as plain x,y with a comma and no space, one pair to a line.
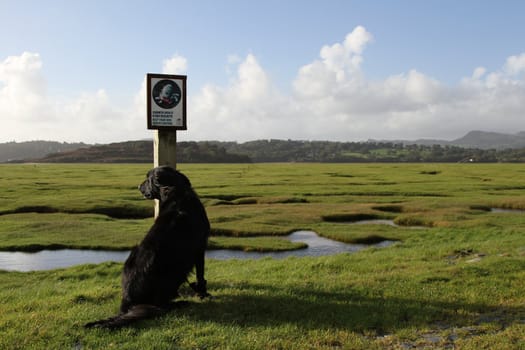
328,151
285,151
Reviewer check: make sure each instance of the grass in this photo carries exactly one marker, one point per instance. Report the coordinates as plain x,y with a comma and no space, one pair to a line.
456,281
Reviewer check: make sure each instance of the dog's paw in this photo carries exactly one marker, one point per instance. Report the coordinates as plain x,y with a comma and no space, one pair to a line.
200,290
205,295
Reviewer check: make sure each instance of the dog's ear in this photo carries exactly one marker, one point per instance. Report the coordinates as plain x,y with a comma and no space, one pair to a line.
165,191
182,181
167,176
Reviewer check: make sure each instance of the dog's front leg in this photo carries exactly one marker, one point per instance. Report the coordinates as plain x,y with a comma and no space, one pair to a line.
199,287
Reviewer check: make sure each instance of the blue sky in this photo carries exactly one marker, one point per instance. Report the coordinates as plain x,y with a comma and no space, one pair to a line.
330,70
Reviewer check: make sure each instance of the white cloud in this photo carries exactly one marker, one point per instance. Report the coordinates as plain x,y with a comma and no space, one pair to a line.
339,64
479,72
22,88
332,99
249,107
175,65
28,113
515,65
357,40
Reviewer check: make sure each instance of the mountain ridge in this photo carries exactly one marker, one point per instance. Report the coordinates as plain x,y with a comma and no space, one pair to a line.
473,139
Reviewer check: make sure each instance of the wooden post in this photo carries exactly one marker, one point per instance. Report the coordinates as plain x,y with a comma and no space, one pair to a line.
166,112
164,153
164,148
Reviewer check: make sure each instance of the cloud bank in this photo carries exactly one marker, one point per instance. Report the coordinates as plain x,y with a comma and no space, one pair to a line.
329,99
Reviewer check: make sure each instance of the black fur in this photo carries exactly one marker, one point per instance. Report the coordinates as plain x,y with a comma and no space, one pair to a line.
176,243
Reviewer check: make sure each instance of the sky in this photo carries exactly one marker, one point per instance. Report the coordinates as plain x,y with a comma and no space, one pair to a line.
338,70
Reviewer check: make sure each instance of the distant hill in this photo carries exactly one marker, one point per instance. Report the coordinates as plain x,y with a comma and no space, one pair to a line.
122,152
17,151
488,140
142,152
478,139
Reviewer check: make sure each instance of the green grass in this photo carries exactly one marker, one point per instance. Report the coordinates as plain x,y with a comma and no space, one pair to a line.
456,281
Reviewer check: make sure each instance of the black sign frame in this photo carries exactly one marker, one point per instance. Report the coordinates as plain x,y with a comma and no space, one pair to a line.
166,101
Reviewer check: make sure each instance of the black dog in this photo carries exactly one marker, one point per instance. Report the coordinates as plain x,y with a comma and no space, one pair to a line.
161,263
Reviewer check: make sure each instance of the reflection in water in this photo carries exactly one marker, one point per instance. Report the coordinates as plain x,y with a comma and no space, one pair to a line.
374,222
317,246
501,210
383,222
53,259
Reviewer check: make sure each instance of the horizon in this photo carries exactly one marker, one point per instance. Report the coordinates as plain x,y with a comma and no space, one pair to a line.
274,139
346,71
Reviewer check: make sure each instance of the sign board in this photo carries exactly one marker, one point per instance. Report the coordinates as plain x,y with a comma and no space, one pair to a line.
166,101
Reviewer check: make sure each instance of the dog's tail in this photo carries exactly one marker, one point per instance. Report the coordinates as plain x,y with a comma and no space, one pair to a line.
135,313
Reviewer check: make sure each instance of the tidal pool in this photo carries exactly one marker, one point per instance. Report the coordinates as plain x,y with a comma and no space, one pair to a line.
53,259
317,246
502,210
373,222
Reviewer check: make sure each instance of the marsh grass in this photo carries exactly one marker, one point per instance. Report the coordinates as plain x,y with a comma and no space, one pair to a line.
455,283
36,231
254,244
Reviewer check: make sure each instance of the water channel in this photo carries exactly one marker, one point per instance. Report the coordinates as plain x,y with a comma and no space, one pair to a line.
509,211
317,246
53,259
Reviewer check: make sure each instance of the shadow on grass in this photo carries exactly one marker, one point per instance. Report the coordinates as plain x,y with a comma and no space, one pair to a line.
265,305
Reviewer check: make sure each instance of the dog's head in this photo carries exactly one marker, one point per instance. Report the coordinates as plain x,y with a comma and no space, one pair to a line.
161,180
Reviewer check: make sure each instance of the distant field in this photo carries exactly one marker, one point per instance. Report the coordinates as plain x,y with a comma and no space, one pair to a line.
457,280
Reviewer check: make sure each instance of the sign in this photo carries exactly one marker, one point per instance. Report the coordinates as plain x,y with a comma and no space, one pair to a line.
166,101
